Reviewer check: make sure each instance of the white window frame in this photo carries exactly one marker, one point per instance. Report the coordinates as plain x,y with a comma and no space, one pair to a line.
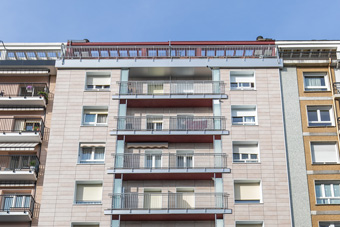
329,224
318,108
323,197
99,87
153,154
250,182
325,142
249,160
91,161
87,183
316,88
95,110
155,119
244,107
185,154
240,85
15,199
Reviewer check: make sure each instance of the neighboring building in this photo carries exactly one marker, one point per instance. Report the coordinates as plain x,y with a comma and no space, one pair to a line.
310,87
27,80
167,134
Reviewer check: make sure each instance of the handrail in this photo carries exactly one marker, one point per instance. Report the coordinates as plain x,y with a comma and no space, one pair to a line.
172,123
23,89
22,125
17,203
178,200
185,160
19,162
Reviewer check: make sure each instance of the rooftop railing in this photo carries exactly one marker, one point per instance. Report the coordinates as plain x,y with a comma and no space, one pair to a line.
23,89
22,125
19,162
160,201
144,52
171,87
308,54
17,203
170,123
187,160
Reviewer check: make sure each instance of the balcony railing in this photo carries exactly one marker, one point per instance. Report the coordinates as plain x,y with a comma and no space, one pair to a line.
311,54
22,125
19,163
171,161
161,201
145,52
23,89
171,87
17,203
170,123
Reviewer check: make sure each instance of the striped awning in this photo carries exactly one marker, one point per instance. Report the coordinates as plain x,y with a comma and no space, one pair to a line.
17,146
147,145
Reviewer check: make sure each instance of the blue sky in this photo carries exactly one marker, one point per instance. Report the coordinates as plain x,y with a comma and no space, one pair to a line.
164,20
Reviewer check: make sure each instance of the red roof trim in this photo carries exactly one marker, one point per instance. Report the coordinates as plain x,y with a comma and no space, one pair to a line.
175,43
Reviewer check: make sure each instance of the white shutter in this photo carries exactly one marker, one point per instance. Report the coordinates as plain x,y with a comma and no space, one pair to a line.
89,192
242,78
247,191
19,125
248,225
324,152
98,80
243,112
245,148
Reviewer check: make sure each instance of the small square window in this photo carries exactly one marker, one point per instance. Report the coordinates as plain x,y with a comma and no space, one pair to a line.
327,192
316,81
91,153
245,152
324,152
88,192
98,80
320,116
242,80
243,115
95,116
247,191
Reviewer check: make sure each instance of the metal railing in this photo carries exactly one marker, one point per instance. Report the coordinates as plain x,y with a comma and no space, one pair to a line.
17,203
170,123
19,162
171,87
336,87
211,51
308,54
179,200
22,125
23,89
170,161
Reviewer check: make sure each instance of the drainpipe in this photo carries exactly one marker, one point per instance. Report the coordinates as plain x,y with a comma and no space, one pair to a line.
333,99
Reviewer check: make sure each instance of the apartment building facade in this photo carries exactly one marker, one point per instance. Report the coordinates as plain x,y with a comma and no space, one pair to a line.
167,134
310,91
27,80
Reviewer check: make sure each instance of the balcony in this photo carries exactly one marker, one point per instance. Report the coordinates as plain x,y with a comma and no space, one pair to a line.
194,89
170,163
19,167
170,125
167,50
336,89
16,208
169,203
23,94
21,130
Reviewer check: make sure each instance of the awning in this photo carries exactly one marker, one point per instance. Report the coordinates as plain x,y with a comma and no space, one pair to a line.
17,146
92,145
147,145
21,108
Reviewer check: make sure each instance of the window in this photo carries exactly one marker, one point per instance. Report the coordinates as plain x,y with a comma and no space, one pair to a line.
88,193
245,151
85,224
185,198
316,81
185,159
91,153
242,80
155,88
153,159
95,116
320,116
249,223
327,192
16,201
98,80
247,191
329,224
154,122
244,115
152,198
27,125
324,152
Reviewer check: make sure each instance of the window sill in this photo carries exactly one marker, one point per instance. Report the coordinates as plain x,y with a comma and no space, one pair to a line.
246,163
316,91
98,90
247,203
93,125
325,163
243,125
328,204
243,90
322,126
90,163
87,204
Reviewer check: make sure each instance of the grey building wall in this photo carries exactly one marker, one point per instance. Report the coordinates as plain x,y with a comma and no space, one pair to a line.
295,149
